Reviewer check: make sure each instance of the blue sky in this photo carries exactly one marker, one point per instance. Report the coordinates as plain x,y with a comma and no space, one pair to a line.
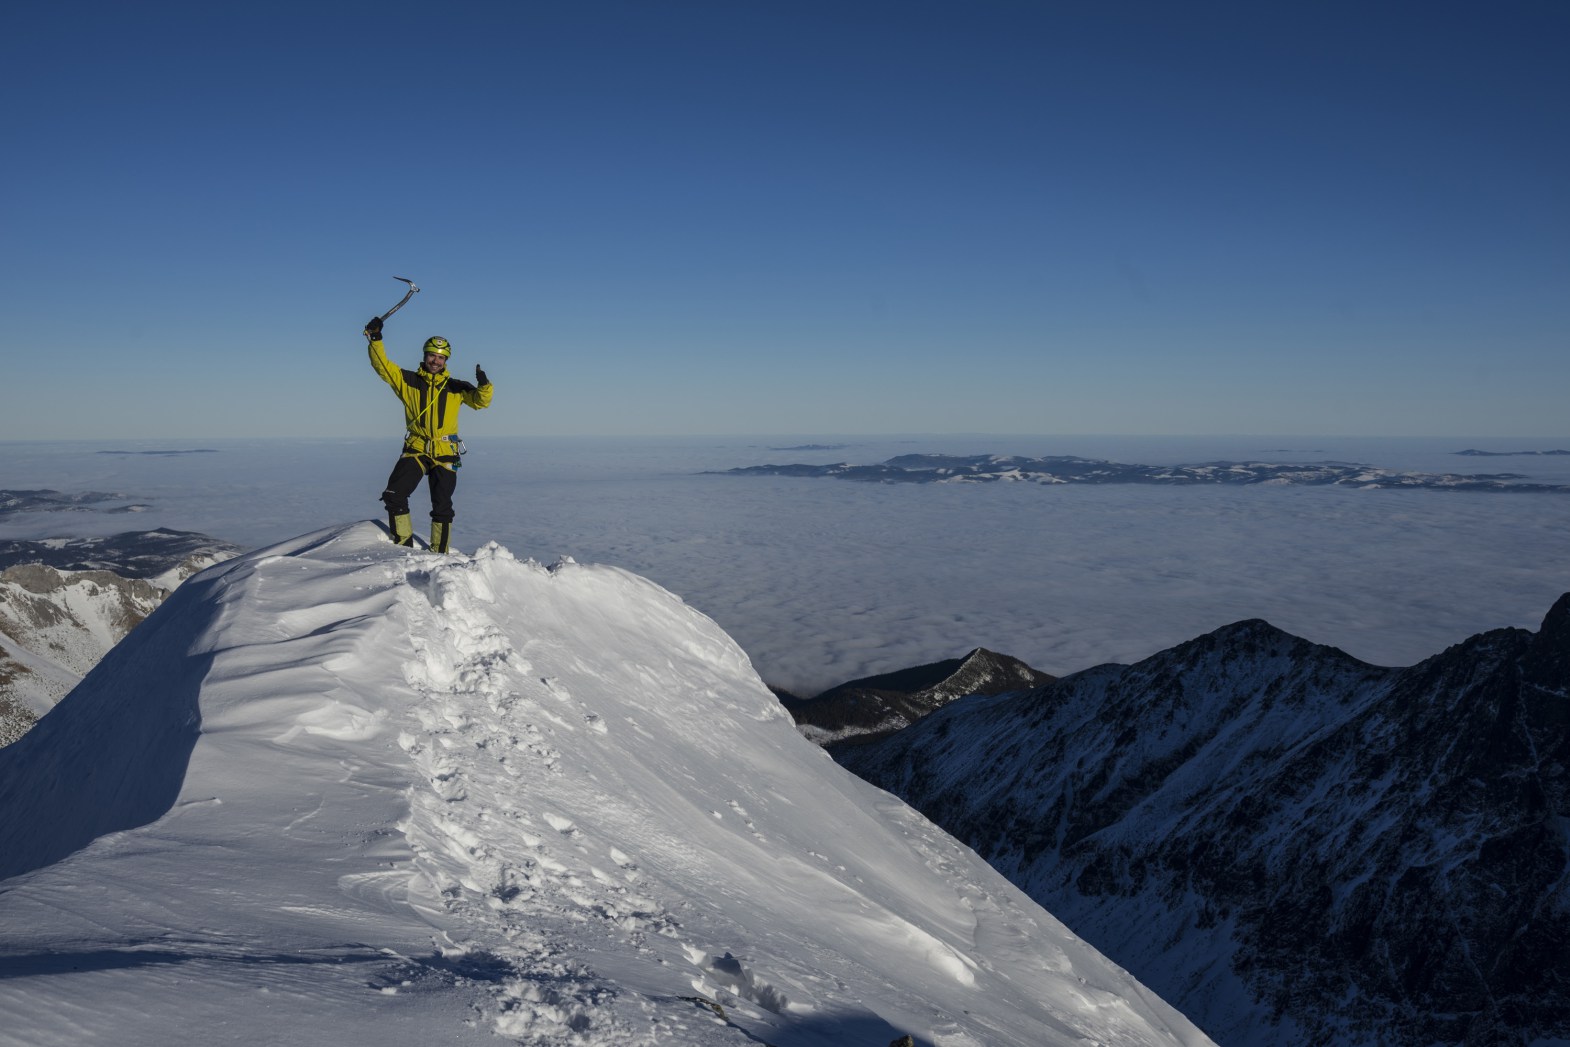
727,217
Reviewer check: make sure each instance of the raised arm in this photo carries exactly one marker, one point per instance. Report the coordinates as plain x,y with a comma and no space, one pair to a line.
393,376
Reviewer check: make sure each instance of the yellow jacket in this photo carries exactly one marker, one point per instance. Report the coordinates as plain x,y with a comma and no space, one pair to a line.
430,407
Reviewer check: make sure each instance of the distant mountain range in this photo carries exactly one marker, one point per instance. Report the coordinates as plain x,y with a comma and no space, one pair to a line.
44,499
64,602
1292,846
1068,469
163,556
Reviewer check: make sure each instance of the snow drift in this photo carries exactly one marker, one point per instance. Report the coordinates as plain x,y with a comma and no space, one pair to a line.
337,791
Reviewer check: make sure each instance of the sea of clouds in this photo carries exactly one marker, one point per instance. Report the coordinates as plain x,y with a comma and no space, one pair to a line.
823,580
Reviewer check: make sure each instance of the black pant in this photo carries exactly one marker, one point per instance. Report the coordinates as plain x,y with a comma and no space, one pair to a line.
406,477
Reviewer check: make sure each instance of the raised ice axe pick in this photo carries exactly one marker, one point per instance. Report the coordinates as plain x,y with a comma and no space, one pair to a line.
413,290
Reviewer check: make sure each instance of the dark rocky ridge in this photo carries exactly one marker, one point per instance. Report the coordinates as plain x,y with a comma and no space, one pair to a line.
130,554
875,706
1288,844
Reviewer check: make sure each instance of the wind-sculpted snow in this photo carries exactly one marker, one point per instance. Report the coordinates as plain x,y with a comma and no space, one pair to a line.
338,792
1067,469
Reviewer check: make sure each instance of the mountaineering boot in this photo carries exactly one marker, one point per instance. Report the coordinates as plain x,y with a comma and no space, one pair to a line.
441,532
402,530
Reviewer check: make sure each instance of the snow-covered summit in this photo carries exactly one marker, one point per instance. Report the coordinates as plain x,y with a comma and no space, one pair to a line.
334,791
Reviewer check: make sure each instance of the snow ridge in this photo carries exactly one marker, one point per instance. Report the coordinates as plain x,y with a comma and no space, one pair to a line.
449,798
489,860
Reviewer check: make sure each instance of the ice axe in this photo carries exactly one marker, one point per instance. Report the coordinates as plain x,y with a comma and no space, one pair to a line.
413,290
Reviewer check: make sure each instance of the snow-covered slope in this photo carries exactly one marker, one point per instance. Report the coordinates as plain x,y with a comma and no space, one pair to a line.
64,602
338,792
55,626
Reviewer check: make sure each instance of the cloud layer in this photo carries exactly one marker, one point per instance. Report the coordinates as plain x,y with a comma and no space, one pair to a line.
822,581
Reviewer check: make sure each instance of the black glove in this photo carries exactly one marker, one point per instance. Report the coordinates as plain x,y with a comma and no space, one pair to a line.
479,376
373,328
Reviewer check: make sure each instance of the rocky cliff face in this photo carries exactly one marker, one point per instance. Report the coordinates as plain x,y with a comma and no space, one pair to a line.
879,705
1292,846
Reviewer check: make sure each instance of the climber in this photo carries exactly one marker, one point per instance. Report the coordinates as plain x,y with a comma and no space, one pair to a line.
431,447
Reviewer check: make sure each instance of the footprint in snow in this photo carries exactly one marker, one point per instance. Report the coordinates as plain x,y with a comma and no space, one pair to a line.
747,819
